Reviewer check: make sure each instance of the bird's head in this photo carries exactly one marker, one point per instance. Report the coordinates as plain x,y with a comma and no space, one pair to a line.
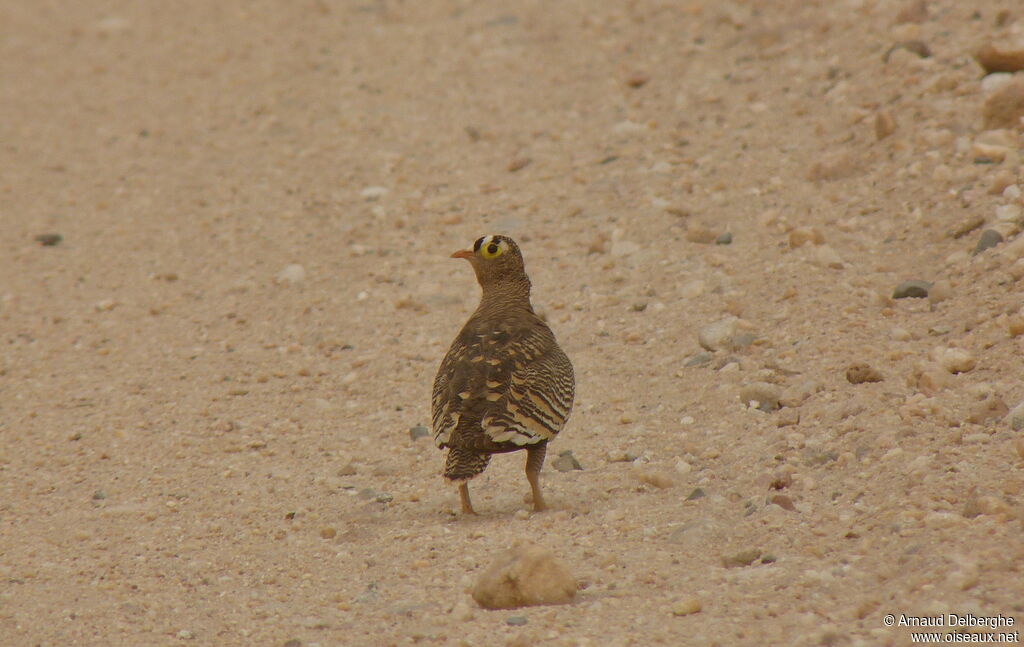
497,262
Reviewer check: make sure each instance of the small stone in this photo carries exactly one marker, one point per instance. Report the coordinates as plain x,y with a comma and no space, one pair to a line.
783,501
788,418
803,235
620,456
825,256
764,395
1019,446
525,575
638,79
462,611
99,495
293,274
1004,107
724,239
1015,326
885,124
992,408
49,240
700,359
1002,56
933,380
516,621
696,233
654,477
989,238
916,47
794,396
718,335
742,558
687,606
914,11
566,462
939,292
954,360
106,305
372,193
185,634
967,226
1016,419
417,432
328,533
861,373
912,290
294,642
518,164
697,493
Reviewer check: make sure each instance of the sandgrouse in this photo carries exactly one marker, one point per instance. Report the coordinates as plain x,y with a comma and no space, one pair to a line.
504,384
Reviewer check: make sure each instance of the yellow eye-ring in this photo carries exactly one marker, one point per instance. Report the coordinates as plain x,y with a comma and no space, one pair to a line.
492,249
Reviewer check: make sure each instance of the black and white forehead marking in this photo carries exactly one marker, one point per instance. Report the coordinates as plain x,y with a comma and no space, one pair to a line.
488,241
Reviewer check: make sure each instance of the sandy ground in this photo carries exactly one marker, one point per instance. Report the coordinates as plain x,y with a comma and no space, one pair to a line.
201,445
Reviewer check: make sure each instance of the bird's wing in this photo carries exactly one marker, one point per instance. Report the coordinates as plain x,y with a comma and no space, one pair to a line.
513,383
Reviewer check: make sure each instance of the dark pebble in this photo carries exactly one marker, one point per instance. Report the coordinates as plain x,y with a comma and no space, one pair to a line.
99,495
696,494
742,558
49,240
566,462
989,238
912,290
294,642
700,359
724,239
417,432
516,621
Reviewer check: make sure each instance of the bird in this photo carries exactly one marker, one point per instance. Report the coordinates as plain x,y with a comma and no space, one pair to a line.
505,384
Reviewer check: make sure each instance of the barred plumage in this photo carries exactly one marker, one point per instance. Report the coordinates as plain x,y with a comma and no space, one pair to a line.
504,384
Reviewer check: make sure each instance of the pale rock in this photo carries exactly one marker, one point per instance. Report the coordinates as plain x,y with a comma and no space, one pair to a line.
687,606
803,235
940,291
525,575
794,396
293,273
1015,418
954,360
762,395
901,334
719,335
992,408
825,256
692,289
654,477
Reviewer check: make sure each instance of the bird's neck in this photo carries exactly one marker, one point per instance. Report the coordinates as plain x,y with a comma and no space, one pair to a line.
506,295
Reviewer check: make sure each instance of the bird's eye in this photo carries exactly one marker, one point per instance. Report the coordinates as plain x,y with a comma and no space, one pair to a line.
492,250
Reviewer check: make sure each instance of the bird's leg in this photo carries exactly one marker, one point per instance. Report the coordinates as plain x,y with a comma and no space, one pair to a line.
534,461
467,505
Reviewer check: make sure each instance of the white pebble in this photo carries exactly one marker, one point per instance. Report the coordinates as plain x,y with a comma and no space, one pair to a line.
293,273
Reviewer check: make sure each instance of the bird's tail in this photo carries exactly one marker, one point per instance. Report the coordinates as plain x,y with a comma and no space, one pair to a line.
463,464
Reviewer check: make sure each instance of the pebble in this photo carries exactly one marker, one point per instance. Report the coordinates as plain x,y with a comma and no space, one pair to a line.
794,396
566,462
372,193
1015,418
687,606
954,360
914,12
724,239
742,558
516,621
518,164
654,477
462,611
912,290
696,233
1015,325
106,305
862,373
417,432
885,124
1004,107
718,335
185,634
916,47
525,575
992,408
638,79
49,240
620,456
967,226
700,359
939,292
763,395
784,501
788,418
328,533
989,238
99,495
293,274
1001,56
697,493
803,235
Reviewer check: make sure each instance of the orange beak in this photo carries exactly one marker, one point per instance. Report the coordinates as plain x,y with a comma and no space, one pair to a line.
463,253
